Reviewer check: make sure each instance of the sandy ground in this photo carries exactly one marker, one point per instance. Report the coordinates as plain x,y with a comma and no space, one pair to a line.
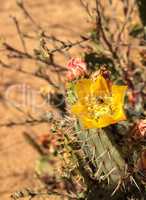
63,18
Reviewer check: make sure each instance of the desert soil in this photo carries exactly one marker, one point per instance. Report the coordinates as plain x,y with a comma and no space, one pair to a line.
63,18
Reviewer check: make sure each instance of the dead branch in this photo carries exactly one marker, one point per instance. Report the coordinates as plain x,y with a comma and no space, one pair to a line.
21,5
36,74
100,28
86,7
19,33
31,122
32,194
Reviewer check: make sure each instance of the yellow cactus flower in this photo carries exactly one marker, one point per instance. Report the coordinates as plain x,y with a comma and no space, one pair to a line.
99,103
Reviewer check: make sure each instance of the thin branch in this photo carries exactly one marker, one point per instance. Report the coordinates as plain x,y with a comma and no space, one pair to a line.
86,7
32,194
31,138
31,122
36,74
129,13
19,33
21,5
16,52
101,29
67,45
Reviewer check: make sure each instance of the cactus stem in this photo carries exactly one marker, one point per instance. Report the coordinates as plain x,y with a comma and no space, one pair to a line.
101,155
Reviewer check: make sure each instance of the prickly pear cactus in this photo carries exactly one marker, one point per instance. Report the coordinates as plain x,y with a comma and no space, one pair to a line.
101,162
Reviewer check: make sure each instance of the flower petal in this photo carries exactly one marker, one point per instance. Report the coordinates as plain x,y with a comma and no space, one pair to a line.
77,108
105,121
88,122
119,115
100,123
118,93
84,107
100,86
82,88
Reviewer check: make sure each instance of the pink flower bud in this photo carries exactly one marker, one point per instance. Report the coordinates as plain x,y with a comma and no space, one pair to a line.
133,97
76,68
142,127
139,130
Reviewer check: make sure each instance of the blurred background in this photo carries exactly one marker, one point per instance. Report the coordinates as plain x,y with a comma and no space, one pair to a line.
37,38
61,18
